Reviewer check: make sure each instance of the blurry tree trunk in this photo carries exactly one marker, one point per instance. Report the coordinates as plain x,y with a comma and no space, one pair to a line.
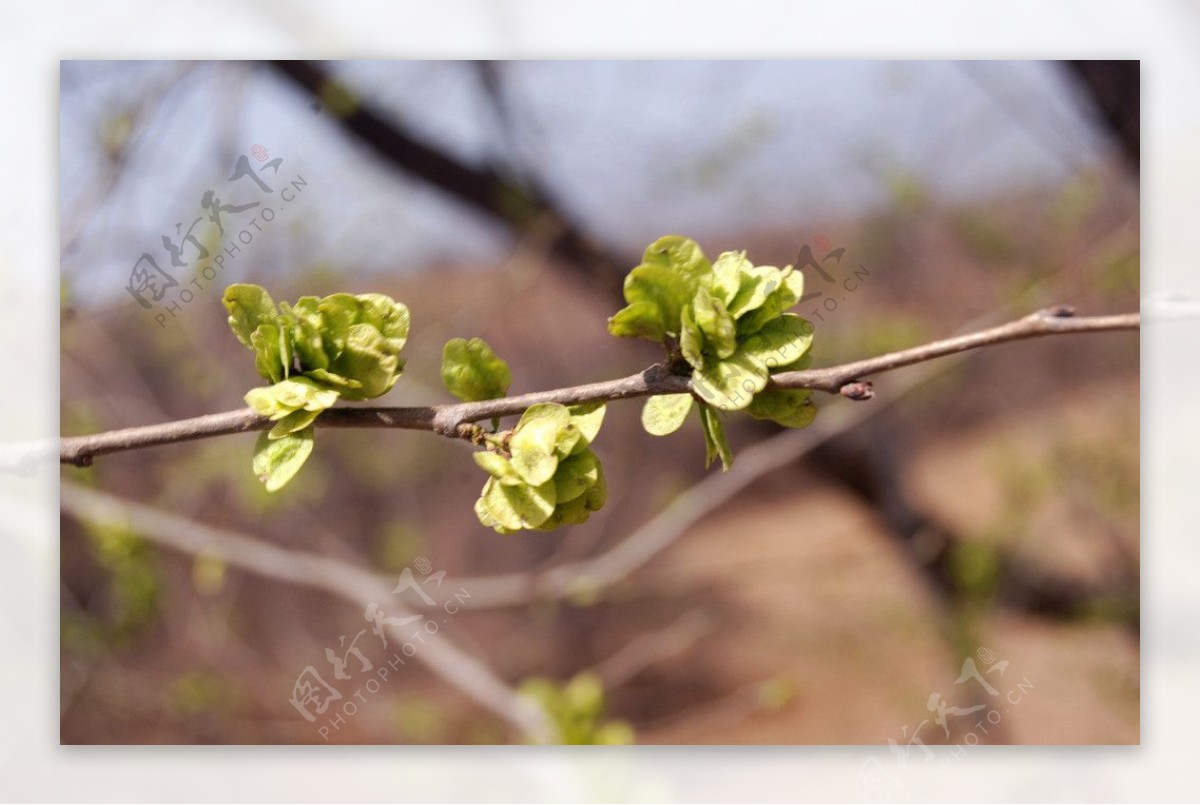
869,462
1115,89
518,206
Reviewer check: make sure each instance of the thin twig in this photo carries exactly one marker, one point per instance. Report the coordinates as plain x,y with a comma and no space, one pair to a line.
845,379
342,579
649,649
456,420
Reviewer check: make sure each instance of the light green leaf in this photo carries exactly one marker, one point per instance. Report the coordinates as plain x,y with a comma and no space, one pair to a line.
534,504
597,496
638,320
727,273
791,288
286,354
715,444
792,408
339,312
682,255
494,509
579,509
262,400
333,381
558,415
720,335
286,396
573,512
534,466
515,507
588,417
691,340
781,342
389,317
576,475
498,467
297,420
271,361
665,413
276,461
302,392
367,359
745,287
570,440
660,288
534,441
657,286
490,506
471,371
249,306
307,328
730,384
757,283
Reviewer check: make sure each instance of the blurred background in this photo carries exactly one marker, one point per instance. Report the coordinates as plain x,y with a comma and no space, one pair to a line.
830,589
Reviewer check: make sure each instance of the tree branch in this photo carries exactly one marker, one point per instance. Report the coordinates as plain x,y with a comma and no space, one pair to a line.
356,585
457,420
517,206
845,379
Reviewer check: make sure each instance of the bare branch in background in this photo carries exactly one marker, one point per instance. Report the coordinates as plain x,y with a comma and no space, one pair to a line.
648,649
456,420
516,206
353,584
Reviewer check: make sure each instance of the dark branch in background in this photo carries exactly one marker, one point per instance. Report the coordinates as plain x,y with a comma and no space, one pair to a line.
491,82
1115,88
867,463
518,207
456,420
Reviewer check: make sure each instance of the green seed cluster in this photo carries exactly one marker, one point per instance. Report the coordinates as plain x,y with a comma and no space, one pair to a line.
576,709
727,322
314,352
547,475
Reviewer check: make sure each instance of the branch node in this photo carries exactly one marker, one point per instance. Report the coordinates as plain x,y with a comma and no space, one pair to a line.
447,422
660,371
858,390
1060,311
471,432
